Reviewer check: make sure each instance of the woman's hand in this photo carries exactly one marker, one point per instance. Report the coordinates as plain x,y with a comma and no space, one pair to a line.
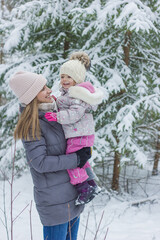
83,155
51,116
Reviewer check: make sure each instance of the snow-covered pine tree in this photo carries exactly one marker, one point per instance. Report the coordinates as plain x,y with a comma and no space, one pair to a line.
155,137
123,40
42,34
1,33
140,100
39,40
117,36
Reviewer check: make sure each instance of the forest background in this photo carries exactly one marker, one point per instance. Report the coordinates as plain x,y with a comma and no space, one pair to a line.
122,38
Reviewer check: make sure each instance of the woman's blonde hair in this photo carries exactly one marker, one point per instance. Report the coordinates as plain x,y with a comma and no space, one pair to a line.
28,124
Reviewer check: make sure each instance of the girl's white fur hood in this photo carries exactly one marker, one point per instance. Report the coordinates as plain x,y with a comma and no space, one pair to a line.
85,95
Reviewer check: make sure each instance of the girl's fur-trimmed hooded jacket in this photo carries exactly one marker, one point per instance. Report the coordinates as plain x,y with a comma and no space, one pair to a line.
75,105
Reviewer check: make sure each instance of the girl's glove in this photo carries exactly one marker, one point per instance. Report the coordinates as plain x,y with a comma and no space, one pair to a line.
51,116
83,155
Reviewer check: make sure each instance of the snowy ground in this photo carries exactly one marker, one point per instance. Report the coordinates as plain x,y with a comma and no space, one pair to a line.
122,220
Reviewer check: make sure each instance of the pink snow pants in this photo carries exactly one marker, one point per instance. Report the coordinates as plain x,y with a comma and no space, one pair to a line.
79,175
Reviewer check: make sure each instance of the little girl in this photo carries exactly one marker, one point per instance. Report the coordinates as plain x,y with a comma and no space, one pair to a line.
77,100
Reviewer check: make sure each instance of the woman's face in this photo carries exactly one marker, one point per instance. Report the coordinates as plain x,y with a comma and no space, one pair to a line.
44,95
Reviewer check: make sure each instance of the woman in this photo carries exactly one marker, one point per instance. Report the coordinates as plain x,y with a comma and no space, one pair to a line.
45,147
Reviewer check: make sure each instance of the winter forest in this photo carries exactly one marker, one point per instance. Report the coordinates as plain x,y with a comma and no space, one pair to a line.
122,38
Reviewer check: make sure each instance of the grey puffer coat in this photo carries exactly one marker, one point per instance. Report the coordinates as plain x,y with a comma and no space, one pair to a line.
53,193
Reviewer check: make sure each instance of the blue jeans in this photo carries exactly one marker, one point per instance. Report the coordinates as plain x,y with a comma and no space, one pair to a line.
62,231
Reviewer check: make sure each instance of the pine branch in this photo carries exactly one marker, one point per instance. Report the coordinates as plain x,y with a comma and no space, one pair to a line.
145,59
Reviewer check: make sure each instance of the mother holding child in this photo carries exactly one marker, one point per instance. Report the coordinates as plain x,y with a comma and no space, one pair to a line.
57,135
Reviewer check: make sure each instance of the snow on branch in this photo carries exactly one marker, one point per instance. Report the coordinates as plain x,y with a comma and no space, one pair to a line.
138,17
131,14
15,38
115,83
128,114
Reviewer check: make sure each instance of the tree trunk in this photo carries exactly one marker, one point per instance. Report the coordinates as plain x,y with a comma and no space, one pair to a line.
66,44
126,47
1,36
156,158
9,5
115,179
66,47
1,51
2,7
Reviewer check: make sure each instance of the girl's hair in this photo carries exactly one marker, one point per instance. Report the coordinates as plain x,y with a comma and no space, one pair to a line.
28,124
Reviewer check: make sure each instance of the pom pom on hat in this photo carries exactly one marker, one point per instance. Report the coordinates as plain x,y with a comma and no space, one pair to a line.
76,67
82,57
27,85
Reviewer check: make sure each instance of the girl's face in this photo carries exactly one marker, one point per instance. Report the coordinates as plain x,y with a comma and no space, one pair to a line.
67,81
44,95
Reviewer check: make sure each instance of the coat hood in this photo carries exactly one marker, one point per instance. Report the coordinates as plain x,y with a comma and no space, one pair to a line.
87,93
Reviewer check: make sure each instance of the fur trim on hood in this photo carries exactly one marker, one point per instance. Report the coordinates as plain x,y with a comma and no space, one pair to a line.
83,93
48,107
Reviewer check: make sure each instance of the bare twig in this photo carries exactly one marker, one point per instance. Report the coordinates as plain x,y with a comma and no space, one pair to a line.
2,222
15,197
5,176
30,214
5,214
99,225
5,223
86,226
20,213
12,200
11,189
142,188
143,201
106,234
88,229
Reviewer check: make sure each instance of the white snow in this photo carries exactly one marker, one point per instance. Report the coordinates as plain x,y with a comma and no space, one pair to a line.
122,220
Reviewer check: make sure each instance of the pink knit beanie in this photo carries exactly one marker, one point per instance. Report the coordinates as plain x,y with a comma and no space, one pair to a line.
27,85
